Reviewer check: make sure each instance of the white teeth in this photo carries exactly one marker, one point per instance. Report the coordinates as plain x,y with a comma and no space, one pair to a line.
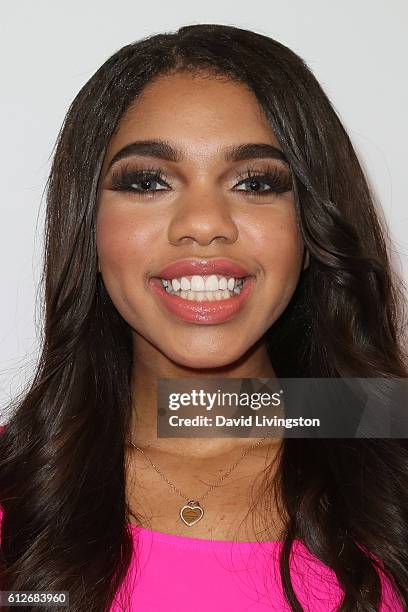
200,283
175,284
199,288
231,283
185,283
211,283
197,283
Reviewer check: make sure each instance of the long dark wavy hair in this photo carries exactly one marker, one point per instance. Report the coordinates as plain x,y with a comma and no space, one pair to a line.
62,455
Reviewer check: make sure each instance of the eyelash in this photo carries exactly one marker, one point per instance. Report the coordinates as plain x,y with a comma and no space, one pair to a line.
278,180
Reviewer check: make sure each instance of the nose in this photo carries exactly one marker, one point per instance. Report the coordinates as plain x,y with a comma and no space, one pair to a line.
202,216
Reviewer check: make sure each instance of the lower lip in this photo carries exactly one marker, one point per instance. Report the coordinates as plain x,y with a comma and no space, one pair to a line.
204,313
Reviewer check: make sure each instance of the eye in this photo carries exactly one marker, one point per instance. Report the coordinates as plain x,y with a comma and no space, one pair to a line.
150,181
255,185
273,180
143,182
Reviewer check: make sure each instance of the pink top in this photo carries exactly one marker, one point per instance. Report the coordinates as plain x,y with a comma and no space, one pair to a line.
171,573
179,573
182,573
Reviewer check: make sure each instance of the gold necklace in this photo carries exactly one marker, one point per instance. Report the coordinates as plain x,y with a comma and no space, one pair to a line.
192,511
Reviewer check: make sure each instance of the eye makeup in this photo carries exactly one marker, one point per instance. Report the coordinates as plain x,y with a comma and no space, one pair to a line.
131,178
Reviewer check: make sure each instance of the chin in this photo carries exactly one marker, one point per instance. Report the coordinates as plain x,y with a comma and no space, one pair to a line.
204,361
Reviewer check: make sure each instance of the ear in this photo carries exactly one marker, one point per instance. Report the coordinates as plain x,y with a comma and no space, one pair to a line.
306,259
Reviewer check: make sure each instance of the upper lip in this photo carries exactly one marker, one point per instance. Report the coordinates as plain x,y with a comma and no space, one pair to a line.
203,267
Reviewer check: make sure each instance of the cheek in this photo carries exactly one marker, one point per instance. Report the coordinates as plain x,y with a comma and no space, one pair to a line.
286,249
123,240
279,246
278,242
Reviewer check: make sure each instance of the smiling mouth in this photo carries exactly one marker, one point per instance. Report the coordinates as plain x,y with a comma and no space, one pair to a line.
204,288
203,307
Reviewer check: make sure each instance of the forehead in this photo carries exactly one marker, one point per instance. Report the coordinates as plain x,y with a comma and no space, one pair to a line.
201,112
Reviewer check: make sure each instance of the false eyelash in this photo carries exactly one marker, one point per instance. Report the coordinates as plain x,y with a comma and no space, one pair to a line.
279,180
123,179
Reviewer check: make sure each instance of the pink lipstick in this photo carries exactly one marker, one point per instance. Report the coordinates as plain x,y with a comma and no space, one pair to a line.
203,312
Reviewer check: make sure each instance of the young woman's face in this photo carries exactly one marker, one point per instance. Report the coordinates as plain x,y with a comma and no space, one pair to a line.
204,206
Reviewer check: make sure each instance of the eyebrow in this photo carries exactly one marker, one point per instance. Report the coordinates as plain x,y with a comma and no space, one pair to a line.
164,150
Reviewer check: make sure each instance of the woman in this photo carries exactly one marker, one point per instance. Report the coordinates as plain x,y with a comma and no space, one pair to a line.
212,151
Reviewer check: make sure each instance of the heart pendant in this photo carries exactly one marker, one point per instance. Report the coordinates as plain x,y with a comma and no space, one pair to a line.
191,513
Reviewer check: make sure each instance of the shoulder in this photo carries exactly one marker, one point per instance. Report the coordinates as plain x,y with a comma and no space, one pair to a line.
316,581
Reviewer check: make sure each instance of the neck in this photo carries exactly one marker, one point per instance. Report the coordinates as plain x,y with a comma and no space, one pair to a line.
149,365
